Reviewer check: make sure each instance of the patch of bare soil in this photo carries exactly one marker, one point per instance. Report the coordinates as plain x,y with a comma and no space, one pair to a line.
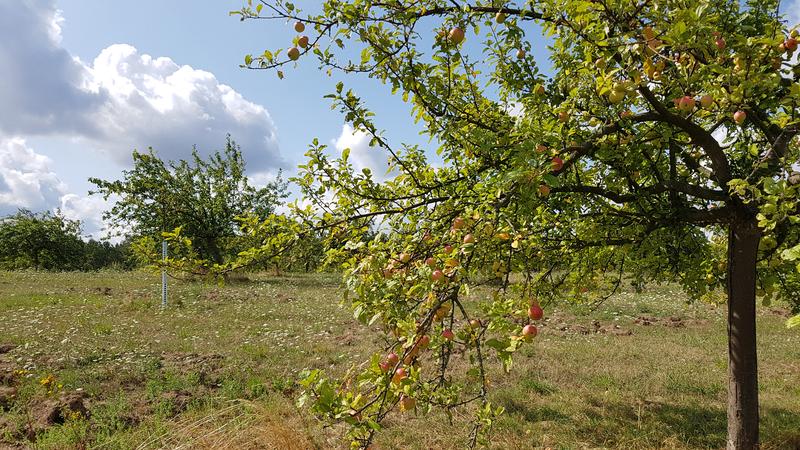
671,322
179,400
207,366
56,411
596,327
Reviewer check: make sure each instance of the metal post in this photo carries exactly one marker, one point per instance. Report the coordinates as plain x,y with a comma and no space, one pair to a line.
164,275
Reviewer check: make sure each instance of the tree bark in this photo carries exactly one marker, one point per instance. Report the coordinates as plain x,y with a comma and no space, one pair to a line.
743,239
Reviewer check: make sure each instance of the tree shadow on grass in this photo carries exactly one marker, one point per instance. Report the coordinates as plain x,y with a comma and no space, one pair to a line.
695,426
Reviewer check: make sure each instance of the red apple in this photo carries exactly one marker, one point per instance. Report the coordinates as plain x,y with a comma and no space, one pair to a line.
299,27
739,117
529,331
392,359
437,275
557,163
384,366
399,375
456,35
469,239
448,248
790,44
293,53
448,335
720,43
686,103
458,223
430,262
535,312
302,41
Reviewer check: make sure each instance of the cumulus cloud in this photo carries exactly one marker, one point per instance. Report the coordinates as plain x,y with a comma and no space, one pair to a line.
122,100
361,154
156,102
26,180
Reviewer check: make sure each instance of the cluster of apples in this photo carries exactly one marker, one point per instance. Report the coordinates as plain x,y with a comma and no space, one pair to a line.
535,312
620,90
302,42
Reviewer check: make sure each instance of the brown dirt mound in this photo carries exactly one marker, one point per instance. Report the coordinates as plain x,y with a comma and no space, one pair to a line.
57,411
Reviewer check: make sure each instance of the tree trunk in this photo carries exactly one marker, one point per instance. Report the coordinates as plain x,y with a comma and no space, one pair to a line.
743,239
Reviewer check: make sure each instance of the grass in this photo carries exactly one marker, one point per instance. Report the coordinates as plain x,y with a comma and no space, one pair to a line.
217,368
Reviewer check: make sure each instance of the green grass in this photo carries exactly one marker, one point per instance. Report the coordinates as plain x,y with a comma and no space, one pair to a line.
217,368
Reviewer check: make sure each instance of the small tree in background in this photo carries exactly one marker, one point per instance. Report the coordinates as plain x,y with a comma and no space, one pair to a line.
202,197
661,148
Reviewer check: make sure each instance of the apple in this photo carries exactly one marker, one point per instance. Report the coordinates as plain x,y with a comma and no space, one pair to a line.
424,341
616,96
458,223
302,41
404,257
399,375
437,275
456,35
535,312
544,190
794,33
557,163
539,90
430,262
500,17
529,331
392,358
503,236
384,366
448,248
299,27
790,44
706,101
293,53
627,114
720,43
563,116
469,239
407,403
520,54
686,103
474,324
541,148
448,335
739,117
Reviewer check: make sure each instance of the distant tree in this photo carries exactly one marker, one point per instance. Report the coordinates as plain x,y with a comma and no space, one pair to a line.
105,255
42,241
203,197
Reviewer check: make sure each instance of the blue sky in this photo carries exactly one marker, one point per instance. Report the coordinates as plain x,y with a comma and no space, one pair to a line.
87,81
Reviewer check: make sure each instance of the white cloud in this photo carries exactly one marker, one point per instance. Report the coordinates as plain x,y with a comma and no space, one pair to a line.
26,179
156,102
361,154
123,99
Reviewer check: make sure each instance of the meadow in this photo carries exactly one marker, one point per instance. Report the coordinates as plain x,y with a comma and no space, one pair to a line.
90,360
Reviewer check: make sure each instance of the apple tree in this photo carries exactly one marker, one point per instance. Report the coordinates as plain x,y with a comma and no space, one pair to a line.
658,143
